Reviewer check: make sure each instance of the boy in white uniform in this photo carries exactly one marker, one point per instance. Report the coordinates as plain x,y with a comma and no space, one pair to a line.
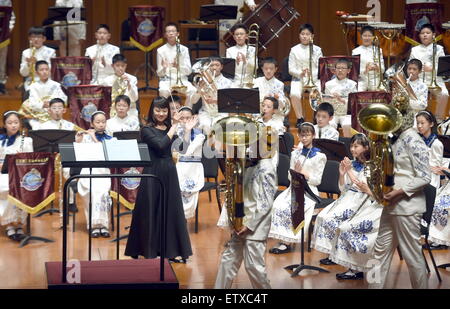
122,121
324,116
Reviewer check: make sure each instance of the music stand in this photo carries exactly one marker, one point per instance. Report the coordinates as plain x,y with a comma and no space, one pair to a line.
334,150
238,100
444,67
60,14
445,140
229,66
213,12
128,135
47,141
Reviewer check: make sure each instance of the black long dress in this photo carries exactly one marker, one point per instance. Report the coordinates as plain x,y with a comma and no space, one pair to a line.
144,237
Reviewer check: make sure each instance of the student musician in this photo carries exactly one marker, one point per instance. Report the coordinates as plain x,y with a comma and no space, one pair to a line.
122,121
424,52
122,83
41,92
101,201
370,73
413,68
4,50
32,55
101,55
56,111
299,64
439,233
323,128
244,56
174,66
310,162
11,142
339,88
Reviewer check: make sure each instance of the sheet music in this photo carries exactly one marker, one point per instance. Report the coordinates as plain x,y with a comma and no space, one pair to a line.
122,150
89,151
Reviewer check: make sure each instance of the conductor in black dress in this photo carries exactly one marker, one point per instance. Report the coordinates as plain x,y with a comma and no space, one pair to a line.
144,237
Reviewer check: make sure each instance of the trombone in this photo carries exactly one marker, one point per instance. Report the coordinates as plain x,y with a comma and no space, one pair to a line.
376,85
253,40
315,97
179,87
433,87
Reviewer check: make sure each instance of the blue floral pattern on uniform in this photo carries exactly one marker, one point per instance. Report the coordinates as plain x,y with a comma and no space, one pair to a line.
188,185
416,147
266,179
328,228
440,211
355,240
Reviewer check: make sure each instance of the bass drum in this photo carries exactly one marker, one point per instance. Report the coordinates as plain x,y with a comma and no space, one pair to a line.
446,37
272,17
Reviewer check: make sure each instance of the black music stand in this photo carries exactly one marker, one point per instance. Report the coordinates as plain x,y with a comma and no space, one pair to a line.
334,150
229,66
297,268
238,100
445,140
444,67
216,12
60,14
47,141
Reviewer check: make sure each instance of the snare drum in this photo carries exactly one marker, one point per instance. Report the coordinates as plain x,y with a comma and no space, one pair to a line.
272,17
446,37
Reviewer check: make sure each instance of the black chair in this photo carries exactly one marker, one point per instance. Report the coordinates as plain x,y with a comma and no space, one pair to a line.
329,185
286,143
283,172
211,170
346,141
430,196
203,39
284,70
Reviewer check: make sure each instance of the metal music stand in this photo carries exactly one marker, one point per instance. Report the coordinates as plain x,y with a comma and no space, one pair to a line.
47,141
334,150
216,12
60,14
444,67
229,66
238,100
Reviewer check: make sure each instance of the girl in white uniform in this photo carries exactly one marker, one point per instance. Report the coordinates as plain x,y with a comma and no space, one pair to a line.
101,201
11,142
439,232
310,162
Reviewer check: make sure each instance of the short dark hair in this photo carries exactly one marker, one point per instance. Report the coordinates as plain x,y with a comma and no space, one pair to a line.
239,26
269,60
273,100
55,101
306,127
171,24
175,98
36,31
124,98
104,26
345,61
414,62
429,26
326,107
119,57
216,58
308,27
430,118
368,28
39,63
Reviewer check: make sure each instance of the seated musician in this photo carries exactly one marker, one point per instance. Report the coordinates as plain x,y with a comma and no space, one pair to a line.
270,106
101,55
35,53
169,60
323,128
369,77
339,88
41,92
244,56
122,121
56,111
122,83
209,113
424,52
414,67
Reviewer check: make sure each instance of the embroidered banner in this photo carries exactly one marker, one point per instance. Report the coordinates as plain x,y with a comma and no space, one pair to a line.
128,186
146,26
5,17
327,68
85,100
297,201
31,180
419,14
72,71
358,100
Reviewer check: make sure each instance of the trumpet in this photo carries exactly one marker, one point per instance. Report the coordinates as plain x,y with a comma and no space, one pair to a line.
253,34
179,87
32,64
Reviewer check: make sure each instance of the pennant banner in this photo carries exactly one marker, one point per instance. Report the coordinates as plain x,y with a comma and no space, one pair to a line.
327,68
146,26
5,17
128,186
72,71
85,100
31,180
358,100
297,201
419,14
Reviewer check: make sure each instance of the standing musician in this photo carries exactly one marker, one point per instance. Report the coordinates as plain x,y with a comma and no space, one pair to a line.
101,55
4,50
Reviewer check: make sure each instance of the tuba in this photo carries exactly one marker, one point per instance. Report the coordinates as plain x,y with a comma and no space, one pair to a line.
178,87
253,40
402,90
379,120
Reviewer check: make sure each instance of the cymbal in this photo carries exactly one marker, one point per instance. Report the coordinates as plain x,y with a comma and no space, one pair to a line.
63,24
